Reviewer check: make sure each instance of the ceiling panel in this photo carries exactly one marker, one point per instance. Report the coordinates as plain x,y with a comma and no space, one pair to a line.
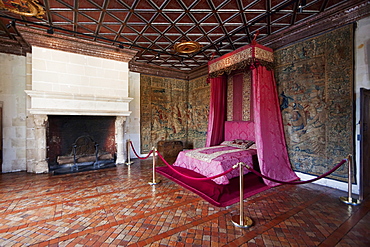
153,27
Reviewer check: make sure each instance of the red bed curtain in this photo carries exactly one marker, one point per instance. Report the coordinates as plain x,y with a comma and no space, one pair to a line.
217,111
269,134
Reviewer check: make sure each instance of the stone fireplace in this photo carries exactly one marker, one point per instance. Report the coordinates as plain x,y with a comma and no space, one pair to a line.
79,139
75,91
53,139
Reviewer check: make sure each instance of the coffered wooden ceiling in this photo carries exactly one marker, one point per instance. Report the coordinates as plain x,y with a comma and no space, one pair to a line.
153,27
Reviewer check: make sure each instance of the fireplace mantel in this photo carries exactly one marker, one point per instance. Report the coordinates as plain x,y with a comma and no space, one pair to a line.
57,103
73,84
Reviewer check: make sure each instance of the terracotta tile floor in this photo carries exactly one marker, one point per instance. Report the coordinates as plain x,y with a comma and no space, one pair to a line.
117,207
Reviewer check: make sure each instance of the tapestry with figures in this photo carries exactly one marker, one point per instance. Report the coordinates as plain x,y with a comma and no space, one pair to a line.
198,111
173,109
315,86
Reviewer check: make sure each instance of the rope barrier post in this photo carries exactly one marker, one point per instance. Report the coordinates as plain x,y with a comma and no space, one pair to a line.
129,162
241,220
155,181
349,199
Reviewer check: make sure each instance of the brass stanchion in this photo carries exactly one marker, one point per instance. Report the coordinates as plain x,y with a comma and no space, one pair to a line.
155,180
241,220
349,199
128,143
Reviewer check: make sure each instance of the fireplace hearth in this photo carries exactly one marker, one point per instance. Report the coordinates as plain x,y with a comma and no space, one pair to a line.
81,167
80,143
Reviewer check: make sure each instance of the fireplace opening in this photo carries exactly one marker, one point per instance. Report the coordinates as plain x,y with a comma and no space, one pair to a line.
80,140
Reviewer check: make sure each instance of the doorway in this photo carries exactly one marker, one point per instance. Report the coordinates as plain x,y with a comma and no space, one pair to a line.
364,143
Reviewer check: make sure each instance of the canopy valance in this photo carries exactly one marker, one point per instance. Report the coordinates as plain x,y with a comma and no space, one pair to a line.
244,57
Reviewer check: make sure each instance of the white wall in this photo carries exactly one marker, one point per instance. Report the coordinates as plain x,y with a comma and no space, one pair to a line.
361,80
132,128
13,98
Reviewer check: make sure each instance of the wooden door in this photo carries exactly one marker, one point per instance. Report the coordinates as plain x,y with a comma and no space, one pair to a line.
364,143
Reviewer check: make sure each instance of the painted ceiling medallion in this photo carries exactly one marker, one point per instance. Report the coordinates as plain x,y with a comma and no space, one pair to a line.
187,47
29,8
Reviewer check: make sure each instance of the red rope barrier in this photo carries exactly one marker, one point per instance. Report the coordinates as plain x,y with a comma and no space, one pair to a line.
297,182
247,166
142,158
193,178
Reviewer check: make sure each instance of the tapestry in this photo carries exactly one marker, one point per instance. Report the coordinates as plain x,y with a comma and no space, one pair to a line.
315,86
163,110
173,109
199,100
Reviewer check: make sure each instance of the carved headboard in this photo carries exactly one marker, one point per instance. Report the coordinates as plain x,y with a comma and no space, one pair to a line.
239,130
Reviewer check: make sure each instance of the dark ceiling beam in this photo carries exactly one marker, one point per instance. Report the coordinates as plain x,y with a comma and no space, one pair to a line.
323,5
6,28
130,12
268,10
165,3
14,43
83,34
197,25
103,12
333,18
75,15
220,23
123,23
48,13
294,14
264,16
244,19
156,14
133,11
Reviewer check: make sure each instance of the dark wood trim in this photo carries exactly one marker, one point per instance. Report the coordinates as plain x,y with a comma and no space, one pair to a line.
76,45
198,72
155,70
13,47
352,11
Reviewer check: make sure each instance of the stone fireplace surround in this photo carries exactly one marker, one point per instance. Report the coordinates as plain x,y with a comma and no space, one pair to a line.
44,104
37,161
69,77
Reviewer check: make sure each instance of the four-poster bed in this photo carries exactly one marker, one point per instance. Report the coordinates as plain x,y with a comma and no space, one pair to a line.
263,127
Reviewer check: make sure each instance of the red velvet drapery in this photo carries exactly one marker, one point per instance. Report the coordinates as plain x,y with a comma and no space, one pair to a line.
269,133
217,111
